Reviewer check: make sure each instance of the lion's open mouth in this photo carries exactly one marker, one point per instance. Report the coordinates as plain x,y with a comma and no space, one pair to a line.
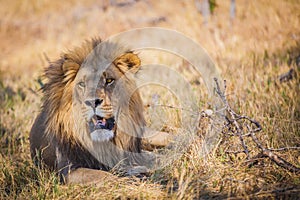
101,129
101,123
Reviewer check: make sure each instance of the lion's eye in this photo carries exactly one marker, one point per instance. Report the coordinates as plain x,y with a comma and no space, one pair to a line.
109,81
81,84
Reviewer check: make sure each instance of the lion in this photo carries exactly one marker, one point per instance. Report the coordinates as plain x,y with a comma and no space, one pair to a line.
91,119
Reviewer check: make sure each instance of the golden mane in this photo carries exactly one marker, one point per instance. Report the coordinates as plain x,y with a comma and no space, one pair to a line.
58,88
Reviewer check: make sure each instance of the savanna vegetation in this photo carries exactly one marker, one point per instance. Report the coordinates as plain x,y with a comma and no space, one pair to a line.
254,51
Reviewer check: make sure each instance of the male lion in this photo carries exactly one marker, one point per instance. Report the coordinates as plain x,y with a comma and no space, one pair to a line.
92,114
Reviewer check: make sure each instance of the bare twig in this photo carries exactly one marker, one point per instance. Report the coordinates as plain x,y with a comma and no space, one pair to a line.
287,76
280,161
233,116
285,148
176,107
277,159
252,127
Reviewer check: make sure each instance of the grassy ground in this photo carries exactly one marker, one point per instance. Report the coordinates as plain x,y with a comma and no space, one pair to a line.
262,43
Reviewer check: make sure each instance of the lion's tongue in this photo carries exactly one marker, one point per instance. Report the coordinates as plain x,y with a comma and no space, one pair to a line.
102,123
99,122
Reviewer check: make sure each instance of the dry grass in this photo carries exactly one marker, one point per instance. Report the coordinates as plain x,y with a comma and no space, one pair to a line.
261,44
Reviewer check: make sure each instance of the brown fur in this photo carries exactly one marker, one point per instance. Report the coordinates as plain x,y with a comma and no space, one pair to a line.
59,138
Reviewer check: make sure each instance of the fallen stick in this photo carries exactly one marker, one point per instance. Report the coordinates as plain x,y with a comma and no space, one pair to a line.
234,120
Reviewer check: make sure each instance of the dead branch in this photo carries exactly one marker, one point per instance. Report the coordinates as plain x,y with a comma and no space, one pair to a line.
250,129
287,76
285,148
275,158
233,115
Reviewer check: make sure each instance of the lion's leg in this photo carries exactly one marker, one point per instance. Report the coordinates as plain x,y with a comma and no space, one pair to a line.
92,176
89,176
156,138
42,145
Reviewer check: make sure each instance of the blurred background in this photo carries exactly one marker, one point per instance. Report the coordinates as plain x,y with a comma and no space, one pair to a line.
32,27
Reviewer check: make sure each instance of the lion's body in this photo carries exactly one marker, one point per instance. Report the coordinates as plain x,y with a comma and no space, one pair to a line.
60,134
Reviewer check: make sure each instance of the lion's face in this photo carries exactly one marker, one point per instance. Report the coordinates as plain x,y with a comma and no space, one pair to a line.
101,88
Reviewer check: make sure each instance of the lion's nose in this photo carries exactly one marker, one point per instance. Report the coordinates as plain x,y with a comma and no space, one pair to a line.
93,103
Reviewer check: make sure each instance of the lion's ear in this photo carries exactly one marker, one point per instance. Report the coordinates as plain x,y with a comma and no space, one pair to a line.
128,62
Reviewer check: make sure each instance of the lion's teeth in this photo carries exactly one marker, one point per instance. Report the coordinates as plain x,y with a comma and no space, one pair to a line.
94,121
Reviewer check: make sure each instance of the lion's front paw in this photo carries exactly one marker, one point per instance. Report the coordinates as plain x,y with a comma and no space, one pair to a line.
138,171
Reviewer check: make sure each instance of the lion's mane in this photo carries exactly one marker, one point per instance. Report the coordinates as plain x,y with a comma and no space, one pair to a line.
53,132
